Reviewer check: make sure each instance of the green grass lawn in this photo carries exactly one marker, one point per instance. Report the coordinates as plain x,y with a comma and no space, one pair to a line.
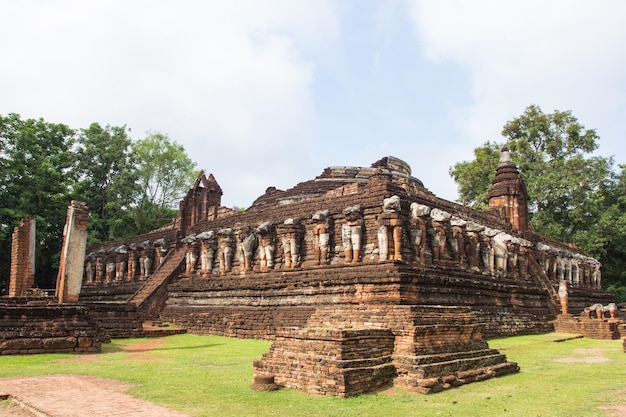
211,376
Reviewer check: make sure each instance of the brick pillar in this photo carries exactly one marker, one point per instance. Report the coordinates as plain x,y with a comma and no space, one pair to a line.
71,265
22,275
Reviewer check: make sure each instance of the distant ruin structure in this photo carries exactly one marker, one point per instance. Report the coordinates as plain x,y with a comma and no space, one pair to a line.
71,265
22,275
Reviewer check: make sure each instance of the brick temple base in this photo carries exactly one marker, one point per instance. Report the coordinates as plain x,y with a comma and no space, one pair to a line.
351,350
594,328
29,329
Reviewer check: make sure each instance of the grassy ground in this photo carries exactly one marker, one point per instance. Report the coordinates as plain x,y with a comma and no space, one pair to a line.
211,376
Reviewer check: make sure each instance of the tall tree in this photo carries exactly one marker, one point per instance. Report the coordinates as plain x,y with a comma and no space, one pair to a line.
607,239
552,152
568,187
165,173
35,162
565,183
108,180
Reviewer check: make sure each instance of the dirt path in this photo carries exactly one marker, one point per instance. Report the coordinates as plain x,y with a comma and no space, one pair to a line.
77,396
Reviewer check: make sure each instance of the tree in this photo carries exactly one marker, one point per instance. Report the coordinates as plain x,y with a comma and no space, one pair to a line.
607,240
565,185
108,180
474,178
164,174
574,197
35,168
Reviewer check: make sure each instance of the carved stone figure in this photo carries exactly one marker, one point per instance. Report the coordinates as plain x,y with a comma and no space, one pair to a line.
321,236
266,246
612,309
225,241
191,254
457,240
146,254
522,258
390,221
291,236
585,272
472,245
598,309
574,266
437,232
110,265
499,243
208,244
560,267
419,232
567,267
100,266
90,268
512,250
246,245
351,234
486,253
133,259
121,262
553,264
160,250
543,257
597,275
563,297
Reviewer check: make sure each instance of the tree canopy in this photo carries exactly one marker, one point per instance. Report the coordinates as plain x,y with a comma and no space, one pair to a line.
574,195
165,172
130,186
35,167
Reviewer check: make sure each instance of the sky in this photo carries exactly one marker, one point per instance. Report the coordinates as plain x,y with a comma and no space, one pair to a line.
270,92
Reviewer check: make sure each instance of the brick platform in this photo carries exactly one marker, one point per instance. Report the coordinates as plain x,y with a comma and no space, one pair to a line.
28,329
591,327
345,351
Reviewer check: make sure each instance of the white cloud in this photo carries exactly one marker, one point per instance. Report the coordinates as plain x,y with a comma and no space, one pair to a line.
559,54
231,81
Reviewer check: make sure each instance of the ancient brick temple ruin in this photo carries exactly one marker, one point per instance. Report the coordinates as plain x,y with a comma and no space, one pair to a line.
361,277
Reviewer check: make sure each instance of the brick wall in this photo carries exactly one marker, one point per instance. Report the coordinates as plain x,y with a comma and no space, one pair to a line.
28,329
116,320
22,275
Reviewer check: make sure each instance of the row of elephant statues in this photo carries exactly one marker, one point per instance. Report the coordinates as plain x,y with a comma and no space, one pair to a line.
425,236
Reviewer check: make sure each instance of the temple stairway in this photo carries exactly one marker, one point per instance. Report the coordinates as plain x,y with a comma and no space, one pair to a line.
540,277
150,297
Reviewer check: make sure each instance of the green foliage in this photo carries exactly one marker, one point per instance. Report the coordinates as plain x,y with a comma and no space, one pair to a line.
564,184
211,375
107,180
574,197
130,187
619,291
474,177
165,172
35,168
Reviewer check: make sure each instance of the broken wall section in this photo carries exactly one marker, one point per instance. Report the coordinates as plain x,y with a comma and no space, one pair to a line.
22,275
71,265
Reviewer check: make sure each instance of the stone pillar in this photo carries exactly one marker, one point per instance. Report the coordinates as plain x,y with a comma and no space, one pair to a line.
22,275
70,276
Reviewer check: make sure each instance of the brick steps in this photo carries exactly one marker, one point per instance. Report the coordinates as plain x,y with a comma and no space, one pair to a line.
170,267
610,329
348,350
150,330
